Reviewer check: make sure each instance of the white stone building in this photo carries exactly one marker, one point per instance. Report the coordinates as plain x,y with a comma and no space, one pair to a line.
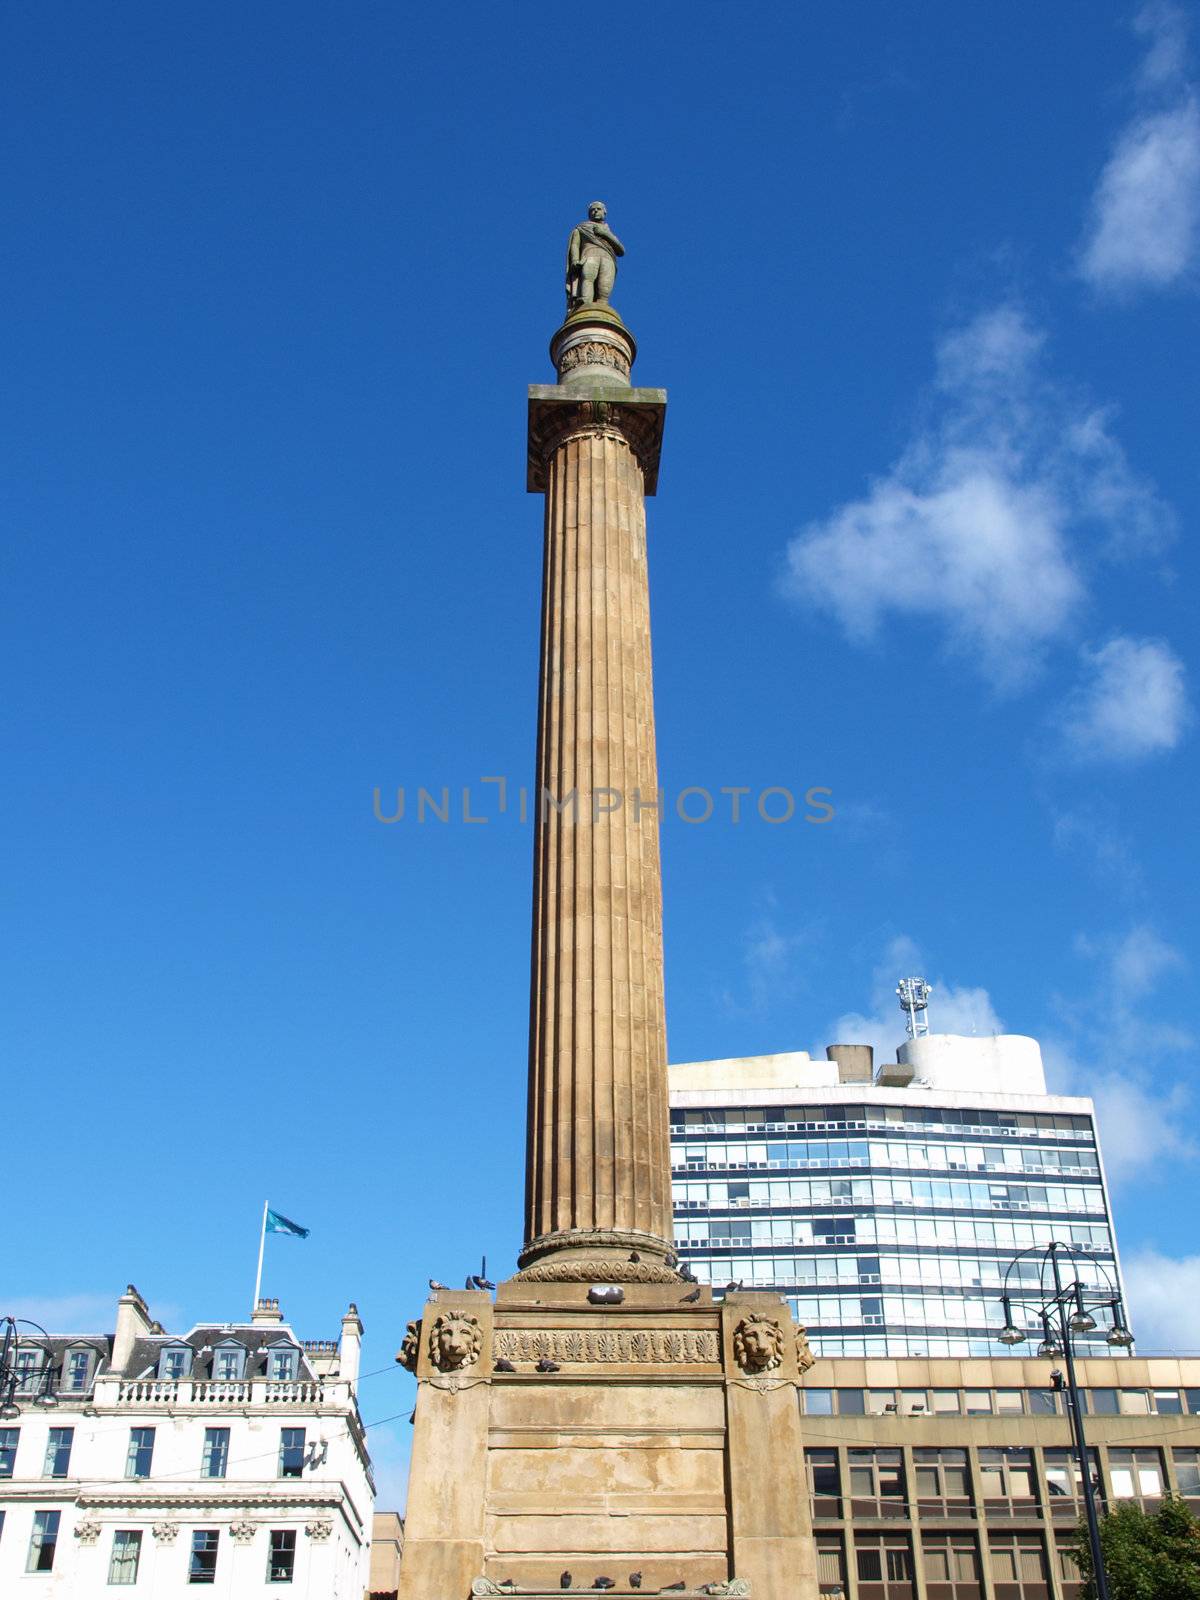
227,1460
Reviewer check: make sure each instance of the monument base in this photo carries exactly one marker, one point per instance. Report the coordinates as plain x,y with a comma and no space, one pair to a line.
639,1437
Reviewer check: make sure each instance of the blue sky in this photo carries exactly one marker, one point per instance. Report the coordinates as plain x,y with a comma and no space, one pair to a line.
921,282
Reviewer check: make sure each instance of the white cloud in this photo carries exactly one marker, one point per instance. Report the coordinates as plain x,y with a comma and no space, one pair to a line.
1090,828
1144,230
1164,1292
1132,703
971,530
67,1313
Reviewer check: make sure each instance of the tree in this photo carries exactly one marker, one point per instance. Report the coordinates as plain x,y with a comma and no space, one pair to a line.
1148,1556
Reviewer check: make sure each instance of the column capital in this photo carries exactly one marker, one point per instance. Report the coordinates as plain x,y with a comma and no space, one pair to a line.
555,414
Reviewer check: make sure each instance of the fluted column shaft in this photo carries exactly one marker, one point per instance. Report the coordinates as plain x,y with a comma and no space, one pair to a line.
598,1150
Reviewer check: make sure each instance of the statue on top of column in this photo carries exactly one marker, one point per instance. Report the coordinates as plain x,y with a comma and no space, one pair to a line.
592,252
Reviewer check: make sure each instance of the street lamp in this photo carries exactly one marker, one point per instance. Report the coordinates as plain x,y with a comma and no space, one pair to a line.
14,1376
1065,1312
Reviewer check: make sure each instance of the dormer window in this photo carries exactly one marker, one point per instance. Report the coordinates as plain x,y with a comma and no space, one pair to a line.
28,1368
229,1362
77,1371
283,1362
175,1361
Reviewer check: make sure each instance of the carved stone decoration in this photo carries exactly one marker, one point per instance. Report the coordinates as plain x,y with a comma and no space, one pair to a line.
319,1531
804,1355
594,353
757,1343
455,1341
738,1586
598,1272
87,1532
485,1586
409,1347
165,1532
639,423
657,1347
241,1532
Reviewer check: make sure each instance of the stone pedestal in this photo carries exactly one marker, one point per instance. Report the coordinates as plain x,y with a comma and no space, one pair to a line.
665,1443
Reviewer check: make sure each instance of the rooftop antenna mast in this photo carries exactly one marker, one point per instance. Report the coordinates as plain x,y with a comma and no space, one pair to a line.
914,1002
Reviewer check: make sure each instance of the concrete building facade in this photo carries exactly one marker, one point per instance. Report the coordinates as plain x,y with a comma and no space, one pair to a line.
229,1459
887,1203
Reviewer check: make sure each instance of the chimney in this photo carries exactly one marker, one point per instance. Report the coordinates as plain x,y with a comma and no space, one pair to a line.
133,1323
267,1311
351,1346
855,1062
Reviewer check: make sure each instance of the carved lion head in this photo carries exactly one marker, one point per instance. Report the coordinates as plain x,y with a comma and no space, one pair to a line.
455,1341
757,1343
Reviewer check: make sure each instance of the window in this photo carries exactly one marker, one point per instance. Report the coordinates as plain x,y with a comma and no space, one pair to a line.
1135,1474
824,1482
1134,1403
283,1364
1064,1484
8,1450
281,1558
831,1566
176,1362
850,1402
228,1362
880,1401
79,1364
140,1453
1069,1574
913,1402
1043,1402
946,1403
1187,1472
877,1483
202,1564
979,1402
58,1453
1168,1403
884,1567
943,1481
818,1402
952,1570
1103,1402
1018,1567
216,1453
1007,1474
28,1366
291,1452
1008,1402
42,1541
126,1553
1192,1396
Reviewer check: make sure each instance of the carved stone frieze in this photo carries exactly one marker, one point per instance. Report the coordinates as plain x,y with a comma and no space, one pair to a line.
732,1586
638,423
455,1341
658,1346
485,1586
87,1532
758,1343
594,353
598,1272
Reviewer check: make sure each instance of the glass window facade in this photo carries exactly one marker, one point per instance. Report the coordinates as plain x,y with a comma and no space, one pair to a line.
126,1556
888,1228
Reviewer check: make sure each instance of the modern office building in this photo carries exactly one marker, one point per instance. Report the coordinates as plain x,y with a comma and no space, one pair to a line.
229,1457
887,1203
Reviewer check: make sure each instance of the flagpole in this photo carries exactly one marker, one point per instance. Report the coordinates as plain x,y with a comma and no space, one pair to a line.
262,1242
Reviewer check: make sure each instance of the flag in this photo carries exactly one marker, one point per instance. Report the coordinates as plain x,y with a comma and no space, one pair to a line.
278,1223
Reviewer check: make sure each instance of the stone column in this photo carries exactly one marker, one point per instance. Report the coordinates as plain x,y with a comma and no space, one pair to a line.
598,1183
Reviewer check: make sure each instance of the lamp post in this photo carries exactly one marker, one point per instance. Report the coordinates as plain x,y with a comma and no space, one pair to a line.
1065,1312
13,1375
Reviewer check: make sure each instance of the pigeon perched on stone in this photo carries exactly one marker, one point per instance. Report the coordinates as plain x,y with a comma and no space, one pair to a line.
690,1299
478,1282
633,1256
635,1580
503,1366
564,1580
733,1288
604,1583
435,1285
546,1365
672,1260
672,1588
686,1273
